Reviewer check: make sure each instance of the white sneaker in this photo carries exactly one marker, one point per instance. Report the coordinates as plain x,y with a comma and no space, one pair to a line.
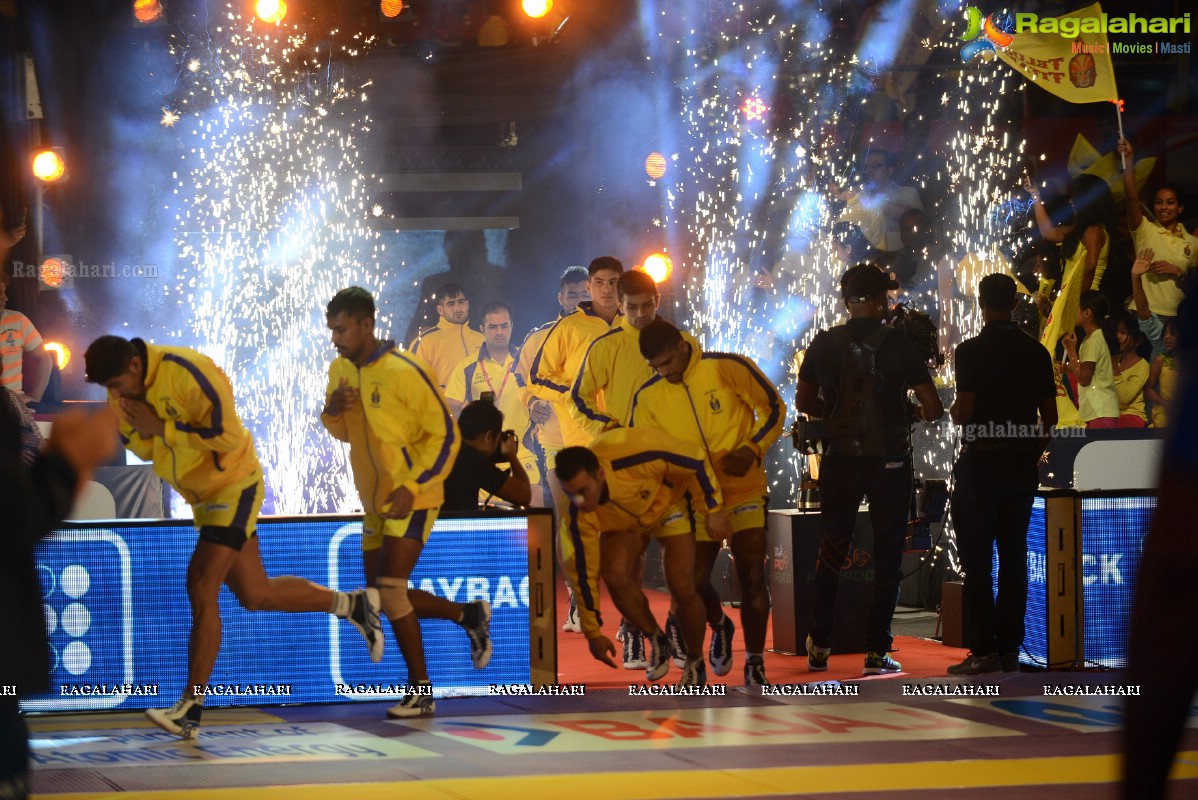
413,705
181,719
364,615
572,625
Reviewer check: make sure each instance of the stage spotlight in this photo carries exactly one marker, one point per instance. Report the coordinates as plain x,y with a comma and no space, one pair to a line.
271,11
754,109
53,273
61,353
655,165
48,166
658,267
536,8
391,8
147,12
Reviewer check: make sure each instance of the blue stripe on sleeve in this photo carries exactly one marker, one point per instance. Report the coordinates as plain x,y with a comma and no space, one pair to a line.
443,456
693,464
209,391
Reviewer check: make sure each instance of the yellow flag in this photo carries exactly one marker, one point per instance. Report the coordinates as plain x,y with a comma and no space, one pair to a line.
1076,67
1060,321
1083,158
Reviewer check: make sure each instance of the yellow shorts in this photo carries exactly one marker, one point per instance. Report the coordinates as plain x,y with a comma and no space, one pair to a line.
417,525
742,516
233,509
679,519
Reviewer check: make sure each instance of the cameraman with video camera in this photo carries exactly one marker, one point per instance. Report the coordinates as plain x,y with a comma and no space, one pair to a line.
854,382
484,444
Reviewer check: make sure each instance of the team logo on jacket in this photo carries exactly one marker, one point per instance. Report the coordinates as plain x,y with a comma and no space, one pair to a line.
170,410
375,398
713,401
644,493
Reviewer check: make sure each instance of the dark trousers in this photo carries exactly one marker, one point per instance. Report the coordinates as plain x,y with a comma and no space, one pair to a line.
14,751
991,505
843,482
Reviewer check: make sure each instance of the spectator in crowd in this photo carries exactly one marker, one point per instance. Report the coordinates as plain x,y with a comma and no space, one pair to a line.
877,206
1162,377
35,499
1175,250
18,339
1085,238
1131,373
1090,364
484,443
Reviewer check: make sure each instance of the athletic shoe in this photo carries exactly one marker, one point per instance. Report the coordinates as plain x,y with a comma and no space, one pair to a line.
634,647
622,631
476,619
413,705
721,646
181,719
694,673
364,615
1010,662
677,644
659,657
977,665
571,625
880,664
817,657
755,671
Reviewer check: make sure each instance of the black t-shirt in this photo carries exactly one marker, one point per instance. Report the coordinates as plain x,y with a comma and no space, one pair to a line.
1011,374
472,471
898,360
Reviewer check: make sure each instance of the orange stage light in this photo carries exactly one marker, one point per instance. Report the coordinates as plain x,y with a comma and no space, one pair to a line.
390,8
48,166
147,11
655,165
271,11
52,272
658,267
536,8
61,353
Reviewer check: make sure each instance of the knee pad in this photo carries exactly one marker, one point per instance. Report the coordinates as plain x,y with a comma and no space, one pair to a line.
394,594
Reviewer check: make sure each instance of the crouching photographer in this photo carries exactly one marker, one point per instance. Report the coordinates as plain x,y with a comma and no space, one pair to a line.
475,478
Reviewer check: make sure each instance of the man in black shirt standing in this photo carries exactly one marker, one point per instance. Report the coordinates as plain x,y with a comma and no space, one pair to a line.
483,438
1004,377
856,377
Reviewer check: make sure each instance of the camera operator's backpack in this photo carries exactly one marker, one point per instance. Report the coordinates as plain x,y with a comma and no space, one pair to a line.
857,421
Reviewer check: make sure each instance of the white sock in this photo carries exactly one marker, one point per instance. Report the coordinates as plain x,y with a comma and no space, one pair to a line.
342,603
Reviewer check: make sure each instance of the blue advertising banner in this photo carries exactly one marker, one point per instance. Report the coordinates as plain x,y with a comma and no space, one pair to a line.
117,613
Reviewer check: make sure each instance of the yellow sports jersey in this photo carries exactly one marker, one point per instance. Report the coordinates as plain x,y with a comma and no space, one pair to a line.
1129,386
646,472
549,434
401,434
612,371
1180,249
723,402
444,345
473,376
556,364
204,449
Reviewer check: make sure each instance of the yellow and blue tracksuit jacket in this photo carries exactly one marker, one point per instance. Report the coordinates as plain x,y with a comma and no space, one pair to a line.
647,473
548,434
401,434
723,402
204,449
444,345
556,364
612,371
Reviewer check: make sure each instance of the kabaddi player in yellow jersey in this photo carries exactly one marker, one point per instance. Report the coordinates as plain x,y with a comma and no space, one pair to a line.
492,372
556,364
626,486
402,445
451,339
611,372
725,404
547,432
176,409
